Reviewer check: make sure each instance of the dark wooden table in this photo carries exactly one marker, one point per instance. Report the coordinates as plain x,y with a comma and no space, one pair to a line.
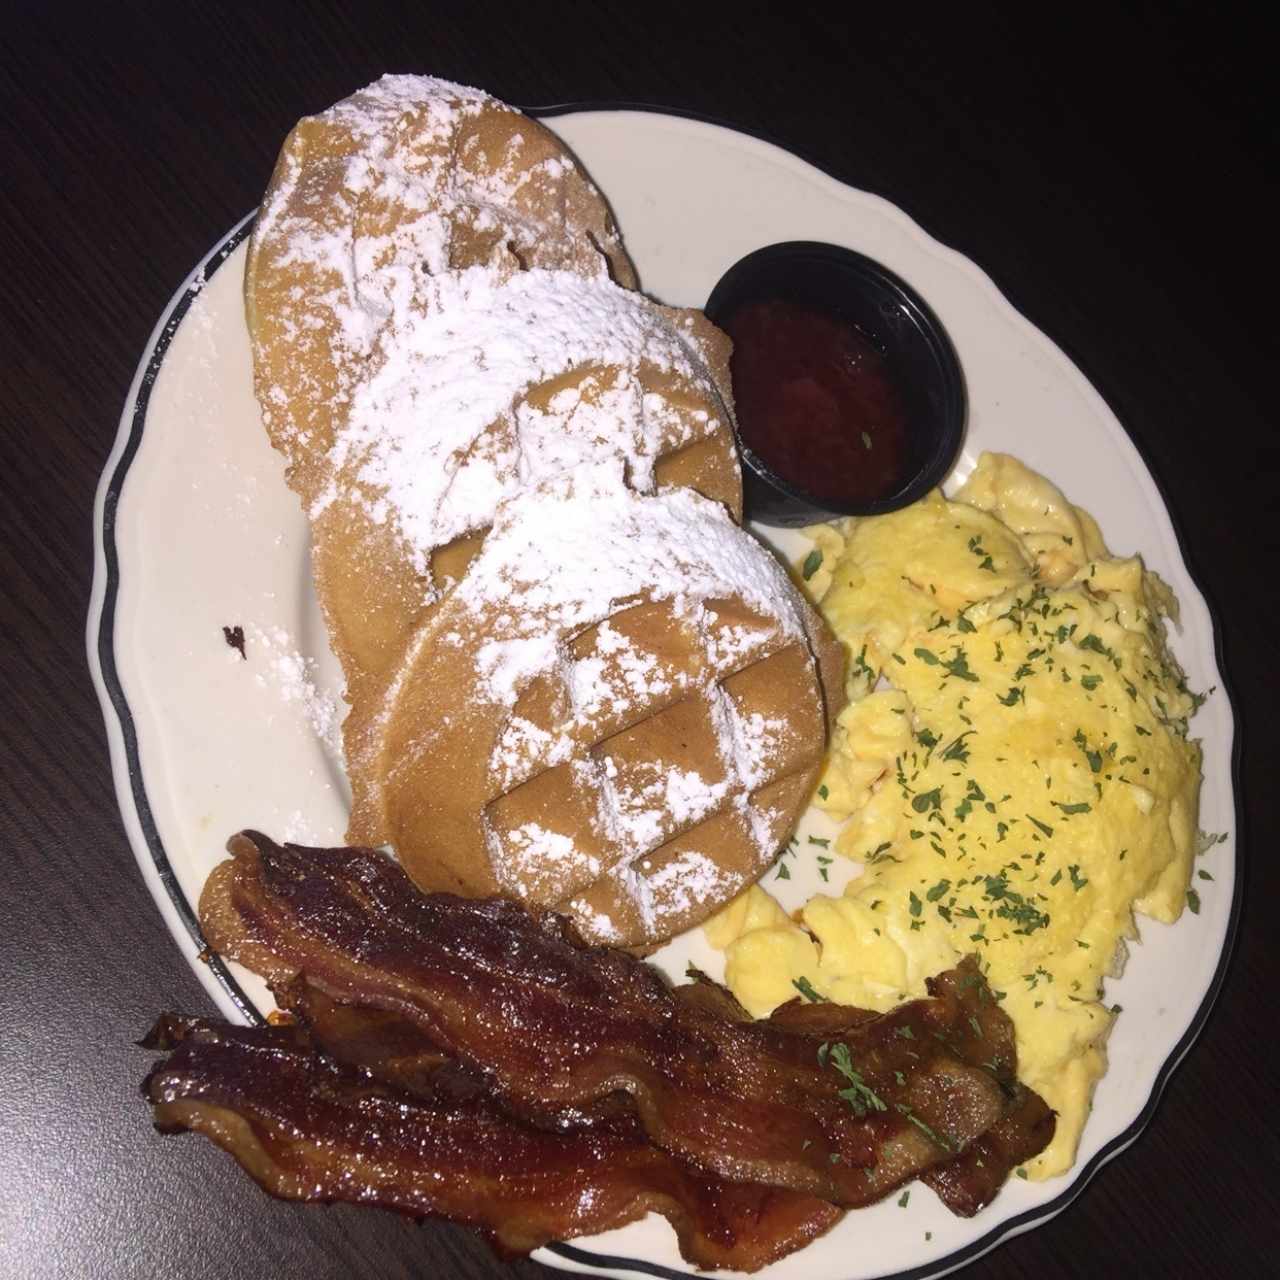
1115,176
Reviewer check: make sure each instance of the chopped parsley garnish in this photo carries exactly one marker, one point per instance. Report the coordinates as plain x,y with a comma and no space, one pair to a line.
1042,826
959,666
975,545
924,1128
818,840
957,750
1078,881
1033,979
812,563
860,664
915,906
859,1095
1013,906
1093,757
903,1198
1083,807
1193,901
938,890
823,793
927,739
805,988
927,655
972,793
927,800
1090,682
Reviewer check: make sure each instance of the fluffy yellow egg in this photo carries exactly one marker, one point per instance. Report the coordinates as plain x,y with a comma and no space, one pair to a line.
1014,771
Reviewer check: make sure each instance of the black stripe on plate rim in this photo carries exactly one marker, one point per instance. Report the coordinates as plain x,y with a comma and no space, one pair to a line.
154,358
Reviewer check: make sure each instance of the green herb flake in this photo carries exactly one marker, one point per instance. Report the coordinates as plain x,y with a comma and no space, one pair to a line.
859,1095
812,563
805,988
938,890
928,656
959,667
914,905
1193,901
927,800
936,1138
860,664
903,1198
1041,826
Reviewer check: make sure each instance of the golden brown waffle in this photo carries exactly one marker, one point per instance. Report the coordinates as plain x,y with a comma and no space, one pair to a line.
573,678
407,180
615,713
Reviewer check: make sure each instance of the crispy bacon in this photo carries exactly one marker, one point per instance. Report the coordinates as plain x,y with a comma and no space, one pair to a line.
308,1126
551,1026
969,1181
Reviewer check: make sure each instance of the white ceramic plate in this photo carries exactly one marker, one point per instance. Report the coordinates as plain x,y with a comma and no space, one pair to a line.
196,531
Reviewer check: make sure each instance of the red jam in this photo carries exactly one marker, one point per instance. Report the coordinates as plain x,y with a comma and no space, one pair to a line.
816,404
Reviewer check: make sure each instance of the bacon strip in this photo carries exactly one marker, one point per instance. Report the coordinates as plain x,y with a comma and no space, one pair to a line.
306,1126
550,1026
969,1182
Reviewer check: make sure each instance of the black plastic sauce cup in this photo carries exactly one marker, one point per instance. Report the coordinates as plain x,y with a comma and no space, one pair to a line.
920,359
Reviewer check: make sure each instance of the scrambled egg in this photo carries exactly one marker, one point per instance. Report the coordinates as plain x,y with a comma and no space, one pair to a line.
1014,769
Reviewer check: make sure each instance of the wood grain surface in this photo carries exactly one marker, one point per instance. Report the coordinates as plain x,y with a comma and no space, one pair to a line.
1114,174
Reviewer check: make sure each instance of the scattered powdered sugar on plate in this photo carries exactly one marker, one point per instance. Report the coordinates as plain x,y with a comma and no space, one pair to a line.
280,667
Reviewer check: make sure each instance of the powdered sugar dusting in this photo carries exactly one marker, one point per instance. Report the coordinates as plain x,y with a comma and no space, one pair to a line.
564,556
443,430
280,667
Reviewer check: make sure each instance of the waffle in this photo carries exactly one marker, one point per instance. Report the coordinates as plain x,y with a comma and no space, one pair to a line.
572,677
407,181
617,711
